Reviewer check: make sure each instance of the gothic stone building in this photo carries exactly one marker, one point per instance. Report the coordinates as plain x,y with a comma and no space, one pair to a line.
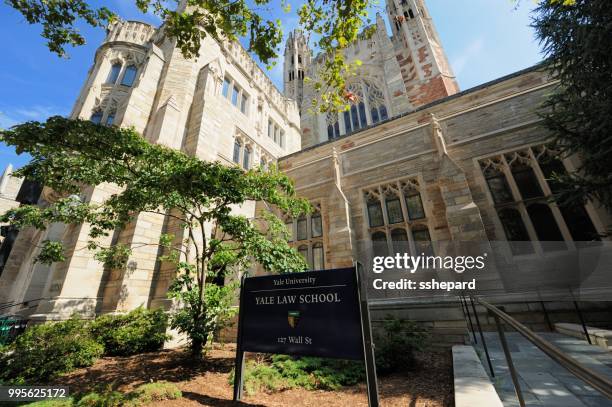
412,161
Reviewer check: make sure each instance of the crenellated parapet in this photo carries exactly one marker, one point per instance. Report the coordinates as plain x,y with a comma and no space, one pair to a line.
134,32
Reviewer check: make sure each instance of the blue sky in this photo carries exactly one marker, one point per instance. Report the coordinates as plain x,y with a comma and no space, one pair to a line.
484,40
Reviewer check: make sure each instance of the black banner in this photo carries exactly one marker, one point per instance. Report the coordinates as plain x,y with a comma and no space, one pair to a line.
313,313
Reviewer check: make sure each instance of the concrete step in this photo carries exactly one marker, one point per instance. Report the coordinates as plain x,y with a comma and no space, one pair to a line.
472,384
599,337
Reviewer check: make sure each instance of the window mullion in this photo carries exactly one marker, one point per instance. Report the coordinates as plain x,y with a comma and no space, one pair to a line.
521,206
567,236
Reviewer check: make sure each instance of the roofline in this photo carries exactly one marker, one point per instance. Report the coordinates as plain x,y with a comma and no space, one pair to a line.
474,89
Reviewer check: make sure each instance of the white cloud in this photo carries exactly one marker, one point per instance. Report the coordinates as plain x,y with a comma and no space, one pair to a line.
468,53
11,117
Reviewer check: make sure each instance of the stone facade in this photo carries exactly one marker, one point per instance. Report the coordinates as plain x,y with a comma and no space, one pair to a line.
397,74
425,177
220,107
412,163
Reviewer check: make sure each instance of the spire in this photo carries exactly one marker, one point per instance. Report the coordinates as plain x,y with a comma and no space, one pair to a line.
425,68
297,62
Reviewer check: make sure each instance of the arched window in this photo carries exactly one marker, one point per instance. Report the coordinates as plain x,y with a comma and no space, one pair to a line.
333,125
237,148
546,227
318,257
379,244
414,204
399,237
375,214
246,159
299,59
376,102
515,230
110,118
129,76
411,13
114,73
394,210
96,117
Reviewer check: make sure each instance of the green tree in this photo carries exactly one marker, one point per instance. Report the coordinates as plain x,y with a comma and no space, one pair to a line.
576,37
67,154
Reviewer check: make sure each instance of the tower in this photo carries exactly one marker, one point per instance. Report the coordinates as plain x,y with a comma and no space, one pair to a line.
297,61
424,65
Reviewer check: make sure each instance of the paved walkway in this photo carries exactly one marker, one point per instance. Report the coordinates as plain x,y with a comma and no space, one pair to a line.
543,381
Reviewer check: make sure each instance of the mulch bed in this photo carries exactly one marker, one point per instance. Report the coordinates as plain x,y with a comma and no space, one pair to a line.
206,382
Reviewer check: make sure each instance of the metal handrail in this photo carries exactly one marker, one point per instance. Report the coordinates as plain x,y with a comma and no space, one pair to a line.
591,377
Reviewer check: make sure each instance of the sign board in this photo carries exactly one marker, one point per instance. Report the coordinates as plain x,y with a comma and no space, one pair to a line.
314,313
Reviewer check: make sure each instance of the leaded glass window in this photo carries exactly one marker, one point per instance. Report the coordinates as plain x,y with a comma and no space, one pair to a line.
394,210
414,205
375,214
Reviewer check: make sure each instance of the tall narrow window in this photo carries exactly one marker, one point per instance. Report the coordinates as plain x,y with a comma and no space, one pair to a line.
243,104
383,113
579,224
422,240
347,122
546,227
302,229
527,182
316,225
411,13
270,128
400,241
362,115
237,147
276,130
110,118
394,210
375,118
235,93
129,76
379,243
318,260
500,191
282,139
355,117
414,205
246,159
114,73
515,231
375,213
96,117
226,86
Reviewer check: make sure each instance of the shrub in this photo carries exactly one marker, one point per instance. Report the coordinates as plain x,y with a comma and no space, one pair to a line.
67,402
283,372
157,391
136,332
45,351
106,398
396,344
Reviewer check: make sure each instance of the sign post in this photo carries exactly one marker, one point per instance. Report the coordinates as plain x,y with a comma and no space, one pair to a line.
314,313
